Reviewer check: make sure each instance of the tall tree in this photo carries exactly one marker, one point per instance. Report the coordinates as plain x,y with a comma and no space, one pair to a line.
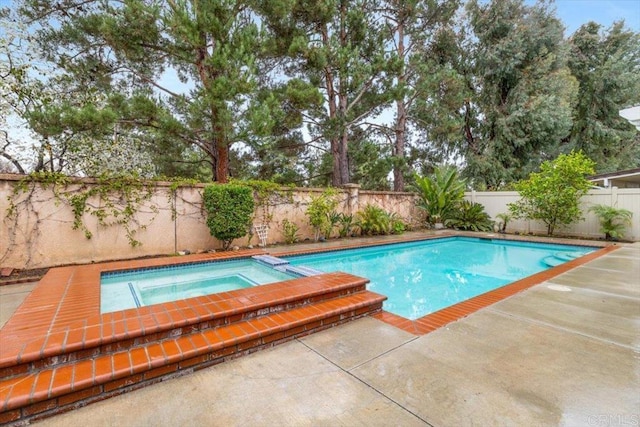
607,66
505,96
448,116
337,46
413,26
128,51
526,93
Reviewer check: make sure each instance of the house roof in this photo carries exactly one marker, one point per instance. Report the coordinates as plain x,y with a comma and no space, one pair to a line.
632,115
629,175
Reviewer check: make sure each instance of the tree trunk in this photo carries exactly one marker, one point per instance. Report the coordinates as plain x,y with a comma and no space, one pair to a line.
344,158
343,142
335,154
471,143
401,118
401,123
331,101
222,162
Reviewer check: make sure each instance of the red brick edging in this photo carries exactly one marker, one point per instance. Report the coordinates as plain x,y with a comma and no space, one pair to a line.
440,318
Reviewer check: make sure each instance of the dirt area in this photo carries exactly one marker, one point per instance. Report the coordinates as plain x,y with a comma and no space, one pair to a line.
21,276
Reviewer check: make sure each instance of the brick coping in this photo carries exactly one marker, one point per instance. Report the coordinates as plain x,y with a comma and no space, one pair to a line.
64,308
62,316
443,317
62,313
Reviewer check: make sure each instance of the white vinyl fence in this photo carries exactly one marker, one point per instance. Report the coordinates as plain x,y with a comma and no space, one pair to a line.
623,198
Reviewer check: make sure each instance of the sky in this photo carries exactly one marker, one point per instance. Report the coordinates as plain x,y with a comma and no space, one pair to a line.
574,13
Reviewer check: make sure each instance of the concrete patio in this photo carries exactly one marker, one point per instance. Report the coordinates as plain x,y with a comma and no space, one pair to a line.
565,352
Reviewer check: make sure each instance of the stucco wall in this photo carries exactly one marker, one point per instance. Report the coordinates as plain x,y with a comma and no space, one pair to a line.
41,234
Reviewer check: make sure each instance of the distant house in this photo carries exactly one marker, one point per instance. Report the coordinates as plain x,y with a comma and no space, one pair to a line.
622,179
632,115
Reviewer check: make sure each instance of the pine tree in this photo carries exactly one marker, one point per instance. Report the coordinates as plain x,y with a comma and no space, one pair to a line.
337,46
607,66
413,27
128,51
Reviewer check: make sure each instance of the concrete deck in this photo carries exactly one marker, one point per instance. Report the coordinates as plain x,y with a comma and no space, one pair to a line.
565,352
11,296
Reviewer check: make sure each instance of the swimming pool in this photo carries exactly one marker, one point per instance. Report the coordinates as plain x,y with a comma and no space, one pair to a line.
422,277
418,277
120,290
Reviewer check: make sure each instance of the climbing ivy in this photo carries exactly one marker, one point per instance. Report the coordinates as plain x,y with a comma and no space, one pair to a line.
267,194
118,200
175,184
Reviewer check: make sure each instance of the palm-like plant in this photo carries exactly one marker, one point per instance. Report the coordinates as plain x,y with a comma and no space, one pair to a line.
440,193
373,220
613,221
504,219
472,217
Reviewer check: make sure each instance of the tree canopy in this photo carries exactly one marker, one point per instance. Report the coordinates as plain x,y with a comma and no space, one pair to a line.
312,93
606,64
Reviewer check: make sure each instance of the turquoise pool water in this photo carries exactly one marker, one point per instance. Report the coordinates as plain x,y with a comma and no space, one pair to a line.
422,277
137,288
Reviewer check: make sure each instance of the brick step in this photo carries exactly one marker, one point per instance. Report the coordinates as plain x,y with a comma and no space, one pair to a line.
56,389
152,324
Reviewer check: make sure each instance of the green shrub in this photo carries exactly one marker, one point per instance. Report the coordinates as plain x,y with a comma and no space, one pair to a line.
553,194
397,225
289,231
333,219
613,221
471,217
320,210
373,220
504,219
345,224
229,211
440,193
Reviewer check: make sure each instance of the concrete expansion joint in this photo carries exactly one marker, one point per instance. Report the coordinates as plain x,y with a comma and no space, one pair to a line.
562,329
371,387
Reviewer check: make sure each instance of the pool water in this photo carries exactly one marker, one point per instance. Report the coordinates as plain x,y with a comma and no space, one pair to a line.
130,289
422,277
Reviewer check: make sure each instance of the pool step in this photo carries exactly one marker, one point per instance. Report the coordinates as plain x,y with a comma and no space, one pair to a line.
552,261
568,256
53,384
270,260
560,258
120,331
301,270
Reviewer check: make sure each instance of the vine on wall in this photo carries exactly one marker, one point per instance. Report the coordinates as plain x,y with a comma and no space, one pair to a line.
112,200
267,195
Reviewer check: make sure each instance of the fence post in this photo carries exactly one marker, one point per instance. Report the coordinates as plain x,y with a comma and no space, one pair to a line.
614,197
353,191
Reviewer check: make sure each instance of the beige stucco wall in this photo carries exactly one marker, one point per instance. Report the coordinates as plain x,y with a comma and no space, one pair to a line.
41,234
